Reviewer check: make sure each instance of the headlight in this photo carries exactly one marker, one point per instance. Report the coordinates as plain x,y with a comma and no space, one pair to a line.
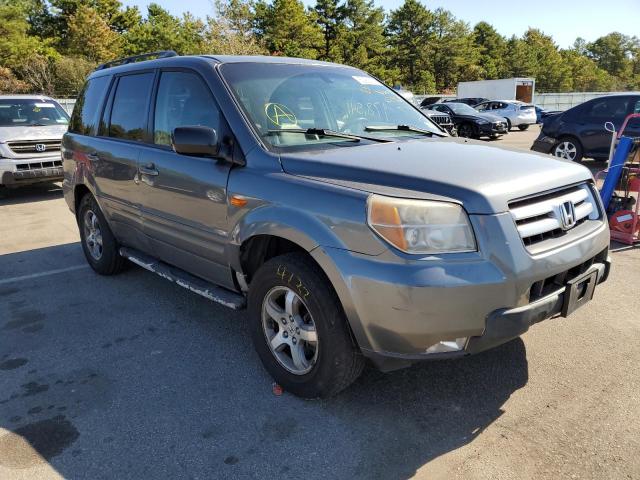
482,121
421,226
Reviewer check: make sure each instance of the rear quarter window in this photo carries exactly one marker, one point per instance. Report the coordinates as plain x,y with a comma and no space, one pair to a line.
85,112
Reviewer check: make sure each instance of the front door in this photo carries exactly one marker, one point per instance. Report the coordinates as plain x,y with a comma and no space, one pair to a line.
184,198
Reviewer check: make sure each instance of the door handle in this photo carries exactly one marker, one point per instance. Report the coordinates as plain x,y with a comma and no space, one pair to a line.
149,169
93,156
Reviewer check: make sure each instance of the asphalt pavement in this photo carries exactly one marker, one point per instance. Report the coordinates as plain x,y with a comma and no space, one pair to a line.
131,377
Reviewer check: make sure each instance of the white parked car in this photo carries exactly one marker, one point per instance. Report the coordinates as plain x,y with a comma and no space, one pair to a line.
518,114
31,128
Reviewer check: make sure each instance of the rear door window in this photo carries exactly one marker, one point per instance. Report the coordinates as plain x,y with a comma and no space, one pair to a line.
130,107
183,100
608,109
85,111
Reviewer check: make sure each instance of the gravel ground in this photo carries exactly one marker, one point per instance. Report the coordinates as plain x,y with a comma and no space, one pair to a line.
132,377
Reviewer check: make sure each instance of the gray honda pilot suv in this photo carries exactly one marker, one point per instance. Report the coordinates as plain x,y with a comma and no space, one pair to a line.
348,223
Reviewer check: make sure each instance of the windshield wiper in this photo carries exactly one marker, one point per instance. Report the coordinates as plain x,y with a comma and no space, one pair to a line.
324,132
38,125
320,132
402,128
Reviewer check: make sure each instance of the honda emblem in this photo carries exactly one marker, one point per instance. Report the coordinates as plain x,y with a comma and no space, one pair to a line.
568,215
41,147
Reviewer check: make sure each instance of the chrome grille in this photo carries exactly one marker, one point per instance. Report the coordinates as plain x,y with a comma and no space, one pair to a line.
554,215
441,119
35,146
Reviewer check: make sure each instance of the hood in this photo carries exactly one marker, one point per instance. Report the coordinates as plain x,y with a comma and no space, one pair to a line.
484,178
435,113
489,117
16,133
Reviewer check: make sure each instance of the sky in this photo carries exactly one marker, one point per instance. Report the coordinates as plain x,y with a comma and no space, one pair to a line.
563,20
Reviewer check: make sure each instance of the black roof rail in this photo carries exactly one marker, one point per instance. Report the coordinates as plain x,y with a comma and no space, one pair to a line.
136,58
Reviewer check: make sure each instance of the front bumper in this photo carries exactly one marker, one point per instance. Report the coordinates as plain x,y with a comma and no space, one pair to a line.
27,171
501,326
489,129
397,309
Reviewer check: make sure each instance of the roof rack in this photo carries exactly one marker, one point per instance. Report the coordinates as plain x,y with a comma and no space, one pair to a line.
137,58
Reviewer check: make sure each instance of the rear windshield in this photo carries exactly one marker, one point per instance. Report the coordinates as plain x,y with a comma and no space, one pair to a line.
281,97
31,112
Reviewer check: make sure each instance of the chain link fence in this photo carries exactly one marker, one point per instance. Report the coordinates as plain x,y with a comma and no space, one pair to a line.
549,101
67,104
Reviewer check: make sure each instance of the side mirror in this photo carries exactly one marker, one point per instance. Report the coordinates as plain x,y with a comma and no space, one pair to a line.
195,140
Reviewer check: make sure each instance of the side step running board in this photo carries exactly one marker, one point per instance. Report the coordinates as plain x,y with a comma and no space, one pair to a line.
201,287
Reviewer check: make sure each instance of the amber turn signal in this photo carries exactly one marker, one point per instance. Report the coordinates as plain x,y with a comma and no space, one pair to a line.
385,218
238,201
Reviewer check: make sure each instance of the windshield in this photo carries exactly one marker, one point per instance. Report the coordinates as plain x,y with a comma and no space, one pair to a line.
26,112
462,109
281,97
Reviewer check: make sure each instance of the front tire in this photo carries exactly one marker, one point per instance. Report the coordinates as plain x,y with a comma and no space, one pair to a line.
508,124
466,130
299,329
98,243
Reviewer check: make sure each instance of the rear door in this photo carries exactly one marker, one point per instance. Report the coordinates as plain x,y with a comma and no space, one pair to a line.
633,127
595,139
122,131
184,198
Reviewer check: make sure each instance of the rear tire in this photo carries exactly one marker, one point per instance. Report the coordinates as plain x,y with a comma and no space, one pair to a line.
523,127
98,243
299,329
568,148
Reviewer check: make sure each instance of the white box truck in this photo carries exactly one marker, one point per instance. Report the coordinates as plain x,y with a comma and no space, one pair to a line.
504,89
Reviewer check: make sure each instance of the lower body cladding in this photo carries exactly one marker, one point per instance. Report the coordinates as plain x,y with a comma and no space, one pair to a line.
452,305
26,171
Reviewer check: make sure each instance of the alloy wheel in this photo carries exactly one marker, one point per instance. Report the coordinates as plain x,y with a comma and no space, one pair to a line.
93,234
289,330
566,150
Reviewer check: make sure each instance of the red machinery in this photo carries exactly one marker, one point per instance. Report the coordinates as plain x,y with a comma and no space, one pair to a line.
623,207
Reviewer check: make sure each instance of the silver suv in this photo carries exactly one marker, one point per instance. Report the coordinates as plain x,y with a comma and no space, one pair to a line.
517,114
31,129
350,225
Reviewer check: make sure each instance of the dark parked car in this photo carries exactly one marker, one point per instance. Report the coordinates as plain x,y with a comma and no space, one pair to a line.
541,113
580,131
471,123
471,101
429,101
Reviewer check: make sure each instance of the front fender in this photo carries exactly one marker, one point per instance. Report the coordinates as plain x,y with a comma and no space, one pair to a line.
307,231
292,224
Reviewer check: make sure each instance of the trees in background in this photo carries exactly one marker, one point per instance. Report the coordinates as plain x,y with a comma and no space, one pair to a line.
49,46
